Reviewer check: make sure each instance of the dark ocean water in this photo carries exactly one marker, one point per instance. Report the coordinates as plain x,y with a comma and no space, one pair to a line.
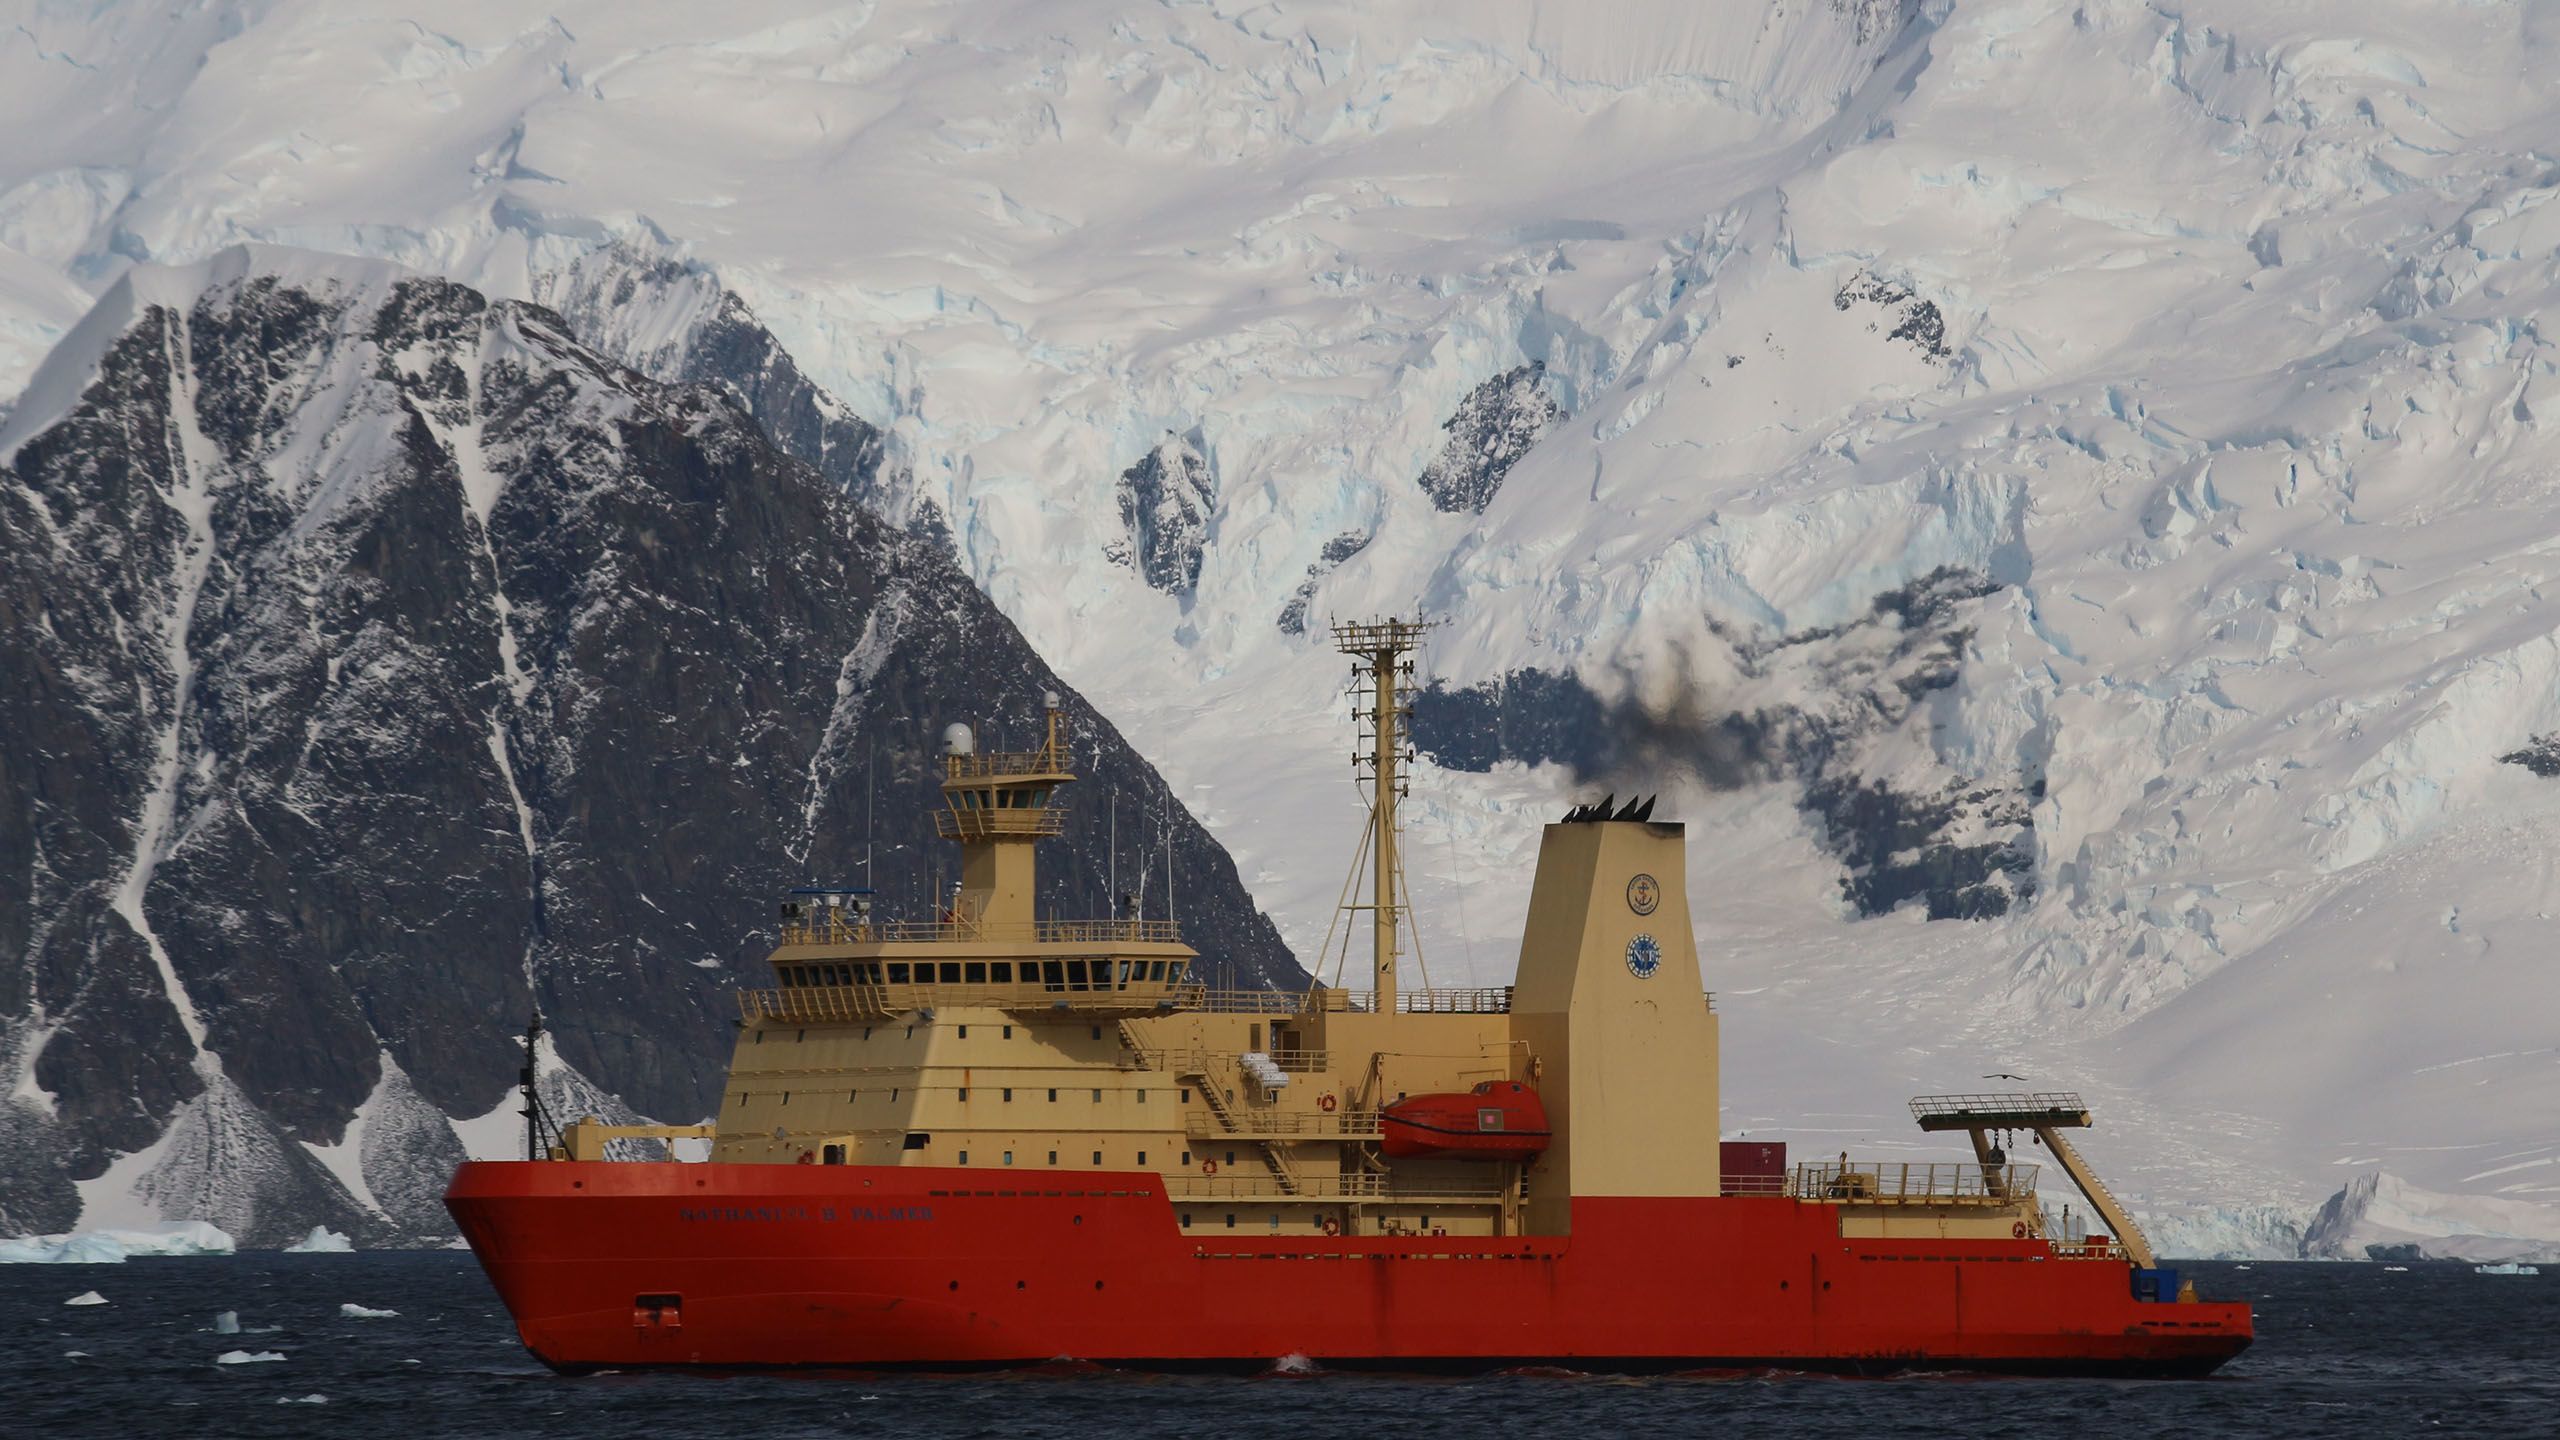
2341,1349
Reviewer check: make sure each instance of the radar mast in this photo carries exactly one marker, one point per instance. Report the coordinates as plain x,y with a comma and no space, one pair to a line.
1380,652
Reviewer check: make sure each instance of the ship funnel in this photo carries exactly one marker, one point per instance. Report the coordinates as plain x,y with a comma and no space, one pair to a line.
956,740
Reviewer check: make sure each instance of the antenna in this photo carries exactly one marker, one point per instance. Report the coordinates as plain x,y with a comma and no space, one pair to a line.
1379,664
870,795
1111,867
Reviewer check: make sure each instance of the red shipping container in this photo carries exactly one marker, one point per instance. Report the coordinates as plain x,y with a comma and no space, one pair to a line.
1754,1167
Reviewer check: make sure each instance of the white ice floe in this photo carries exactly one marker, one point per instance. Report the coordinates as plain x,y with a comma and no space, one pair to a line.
227,1323
247,1357
302,1399
87,1297
364,1312
321,1241
111,1247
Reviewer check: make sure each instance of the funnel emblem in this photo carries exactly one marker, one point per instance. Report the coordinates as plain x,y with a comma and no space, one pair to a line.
1644,956
1643,893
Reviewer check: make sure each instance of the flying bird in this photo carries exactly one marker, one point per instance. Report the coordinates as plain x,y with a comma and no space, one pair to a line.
2003,1075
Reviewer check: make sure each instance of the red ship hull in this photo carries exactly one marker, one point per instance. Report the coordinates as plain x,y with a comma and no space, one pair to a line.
607,1264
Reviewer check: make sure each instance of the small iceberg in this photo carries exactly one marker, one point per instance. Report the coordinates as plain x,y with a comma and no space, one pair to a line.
2395,1269
87,1297
302,1399
365,1312
2508,1268
227,1323
114,1247
321,1241
247,1357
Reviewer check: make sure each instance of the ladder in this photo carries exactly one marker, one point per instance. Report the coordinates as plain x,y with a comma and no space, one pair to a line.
1198,1076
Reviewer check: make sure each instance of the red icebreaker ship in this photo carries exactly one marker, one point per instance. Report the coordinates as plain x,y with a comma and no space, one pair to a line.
992,1138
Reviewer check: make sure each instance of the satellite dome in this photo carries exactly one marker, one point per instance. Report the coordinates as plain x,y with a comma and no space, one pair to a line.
956,740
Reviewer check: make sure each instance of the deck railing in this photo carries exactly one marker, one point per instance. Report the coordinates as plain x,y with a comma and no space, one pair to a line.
834,927
1262,1187
1005,764
1930,1107
1902,1183
1489,1000
873,1002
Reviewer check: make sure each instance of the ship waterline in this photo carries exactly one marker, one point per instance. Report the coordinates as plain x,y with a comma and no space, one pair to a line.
989,1137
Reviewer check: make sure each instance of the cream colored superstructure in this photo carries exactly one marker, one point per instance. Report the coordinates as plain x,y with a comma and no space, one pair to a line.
992,1039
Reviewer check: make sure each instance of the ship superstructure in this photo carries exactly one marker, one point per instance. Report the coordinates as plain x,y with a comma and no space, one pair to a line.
988,1136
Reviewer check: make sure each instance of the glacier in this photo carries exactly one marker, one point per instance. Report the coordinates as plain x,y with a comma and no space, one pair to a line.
2212,342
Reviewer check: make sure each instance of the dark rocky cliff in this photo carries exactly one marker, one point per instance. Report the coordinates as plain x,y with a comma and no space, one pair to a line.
377,662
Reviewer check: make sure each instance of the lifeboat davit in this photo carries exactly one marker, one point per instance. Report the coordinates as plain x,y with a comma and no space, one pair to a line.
1497,1120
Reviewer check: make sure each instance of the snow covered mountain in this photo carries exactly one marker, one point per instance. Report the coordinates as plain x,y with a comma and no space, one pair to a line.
2079,471
379,663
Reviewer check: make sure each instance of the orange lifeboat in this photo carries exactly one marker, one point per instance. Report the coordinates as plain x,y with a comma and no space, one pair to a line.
1497,1120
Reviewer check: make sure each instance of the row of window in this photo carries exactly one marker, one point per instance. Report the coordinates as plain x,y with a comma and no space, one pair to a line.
1034,798
1049,974
1053,1155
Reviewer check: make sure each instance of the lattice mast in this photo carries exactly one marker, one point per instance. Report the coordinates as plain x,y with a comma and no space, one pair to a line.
1381,666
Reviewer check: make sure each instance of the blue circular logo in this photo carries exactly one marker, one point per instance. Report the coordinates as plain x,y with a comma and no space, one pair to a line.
1644,956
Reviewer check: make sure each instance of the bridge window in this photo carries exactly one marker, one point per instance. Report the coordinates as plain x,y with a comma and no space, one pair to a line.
976,972
950,972
1001,973
897,972
1053,975
1075,975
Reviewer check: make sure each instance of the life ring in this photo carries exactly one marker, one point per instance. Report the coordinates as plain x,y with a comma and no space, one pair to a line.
1208,1167
1332,1226
1326,1103
2019,1229
808,1157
